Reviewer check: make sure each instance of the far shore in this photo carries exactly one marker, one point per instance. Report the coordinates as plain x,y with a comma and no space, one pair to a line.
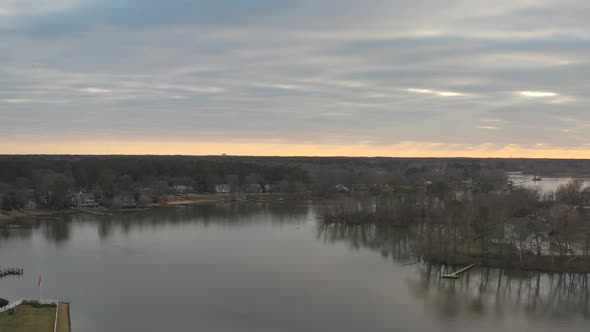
171,201
23,213
559,175
568,175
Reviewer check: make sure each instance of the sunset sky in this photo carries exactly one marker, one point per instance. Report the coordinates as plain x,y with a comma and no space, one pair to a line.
504,78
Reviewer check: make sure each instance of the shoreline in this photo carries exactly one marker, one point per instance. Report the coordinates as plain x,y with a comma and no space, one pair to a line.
557,175
8,217
541,264
14,215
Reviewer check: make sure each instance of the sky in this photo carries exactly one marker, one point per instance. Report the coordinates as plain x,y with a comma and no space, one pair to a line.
474,78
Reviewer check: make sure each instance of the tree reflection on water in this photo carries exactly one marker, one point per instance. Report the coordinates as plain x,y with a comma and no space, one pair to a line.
481,291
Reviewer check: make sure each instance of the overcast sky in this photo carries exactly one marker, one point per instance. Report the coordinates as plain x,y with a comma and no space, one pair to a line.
372,77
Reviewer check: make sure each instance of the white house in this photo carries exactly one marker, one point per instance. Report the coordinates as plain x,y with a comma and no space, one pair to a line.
86,200
31,204
342,189
222,188
181,189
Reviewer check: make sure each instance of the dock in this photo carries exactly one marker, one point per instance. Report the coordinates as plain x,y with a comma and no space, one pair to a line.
456,274
95,212
11,272
62,318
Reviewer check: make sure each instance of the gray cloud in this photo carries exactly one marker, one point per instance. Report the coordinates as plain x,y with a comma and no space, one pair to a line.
321,71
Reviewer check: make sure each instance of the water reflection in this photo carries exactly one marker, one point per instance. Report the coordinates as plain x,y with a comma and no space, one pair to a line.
57,228
488,291
394,242
482,291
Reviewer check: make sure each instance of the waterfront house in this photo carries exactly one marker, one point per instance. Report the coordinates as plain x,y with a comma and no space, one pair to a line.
528,234
86,200
359,187
181,189
342,189
222,188
31,204
252,188
125,201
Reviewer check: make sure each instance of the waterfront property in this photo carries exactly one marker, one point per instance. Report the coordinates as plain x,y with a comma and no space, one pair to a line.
252,188
222,188
528,234
342,189
181,189
125,201
86,200
35,316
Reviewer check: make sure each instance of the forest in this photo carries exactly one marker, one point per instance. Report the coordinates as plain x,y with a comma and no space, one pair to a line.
50,181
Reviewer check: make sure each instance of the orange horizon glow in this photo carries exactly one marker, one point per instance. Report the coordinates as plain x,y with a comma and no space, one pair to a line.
403,149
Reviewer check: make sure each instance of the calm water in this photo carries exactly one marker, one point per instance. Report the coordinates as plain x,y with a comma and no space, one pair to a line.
548,184
268,268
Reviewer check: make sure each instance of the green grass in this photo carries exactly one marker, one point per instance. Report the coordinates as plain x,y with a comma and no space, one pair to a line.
28,318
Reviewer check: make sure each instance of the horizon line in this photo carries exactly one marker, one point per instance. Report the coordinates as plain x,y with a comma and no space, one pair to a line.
271,156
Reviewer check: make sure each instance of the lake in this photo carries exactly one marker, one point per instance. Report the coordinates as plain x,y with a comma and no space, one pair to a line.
545,186
268,267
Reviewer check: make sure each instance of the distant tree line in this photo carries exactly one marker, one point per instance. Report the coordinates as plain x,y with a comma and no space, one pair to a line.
52,180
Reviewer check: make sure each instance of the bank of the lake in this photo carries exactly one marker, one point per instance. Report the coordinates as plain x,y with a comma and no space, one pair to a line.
15,216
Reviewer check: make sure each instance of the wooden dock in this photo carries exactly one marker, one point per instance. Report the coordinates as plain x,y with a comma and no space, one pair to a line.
63,323
11,272
456,274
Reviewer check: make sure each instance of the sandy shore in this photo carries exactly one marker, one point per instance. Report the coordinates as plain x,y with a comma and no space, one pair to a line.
172,200
21,213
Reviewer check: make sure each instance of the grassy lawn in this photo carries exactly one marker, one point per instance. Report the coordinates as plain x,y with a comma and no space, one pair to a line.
28,318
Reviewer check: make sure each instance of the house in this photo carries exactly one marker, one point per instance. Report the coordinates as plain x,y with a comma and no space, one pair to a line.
181,189
342,189
201,188
31,204
269,188
125,201
86,200
147,195
359,187
529,234
222,188
252,188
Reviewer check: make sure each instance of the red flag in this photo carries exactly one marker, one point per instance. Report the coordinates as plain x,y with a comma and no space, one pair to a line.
39,282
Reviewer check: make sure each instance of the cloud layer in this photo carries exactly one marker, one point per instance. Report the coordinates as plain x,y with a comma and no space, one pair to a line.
327,73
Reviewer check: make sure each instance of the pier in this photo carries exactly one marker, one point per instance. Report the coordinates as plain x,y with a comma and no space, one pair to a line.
456,274
11,272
